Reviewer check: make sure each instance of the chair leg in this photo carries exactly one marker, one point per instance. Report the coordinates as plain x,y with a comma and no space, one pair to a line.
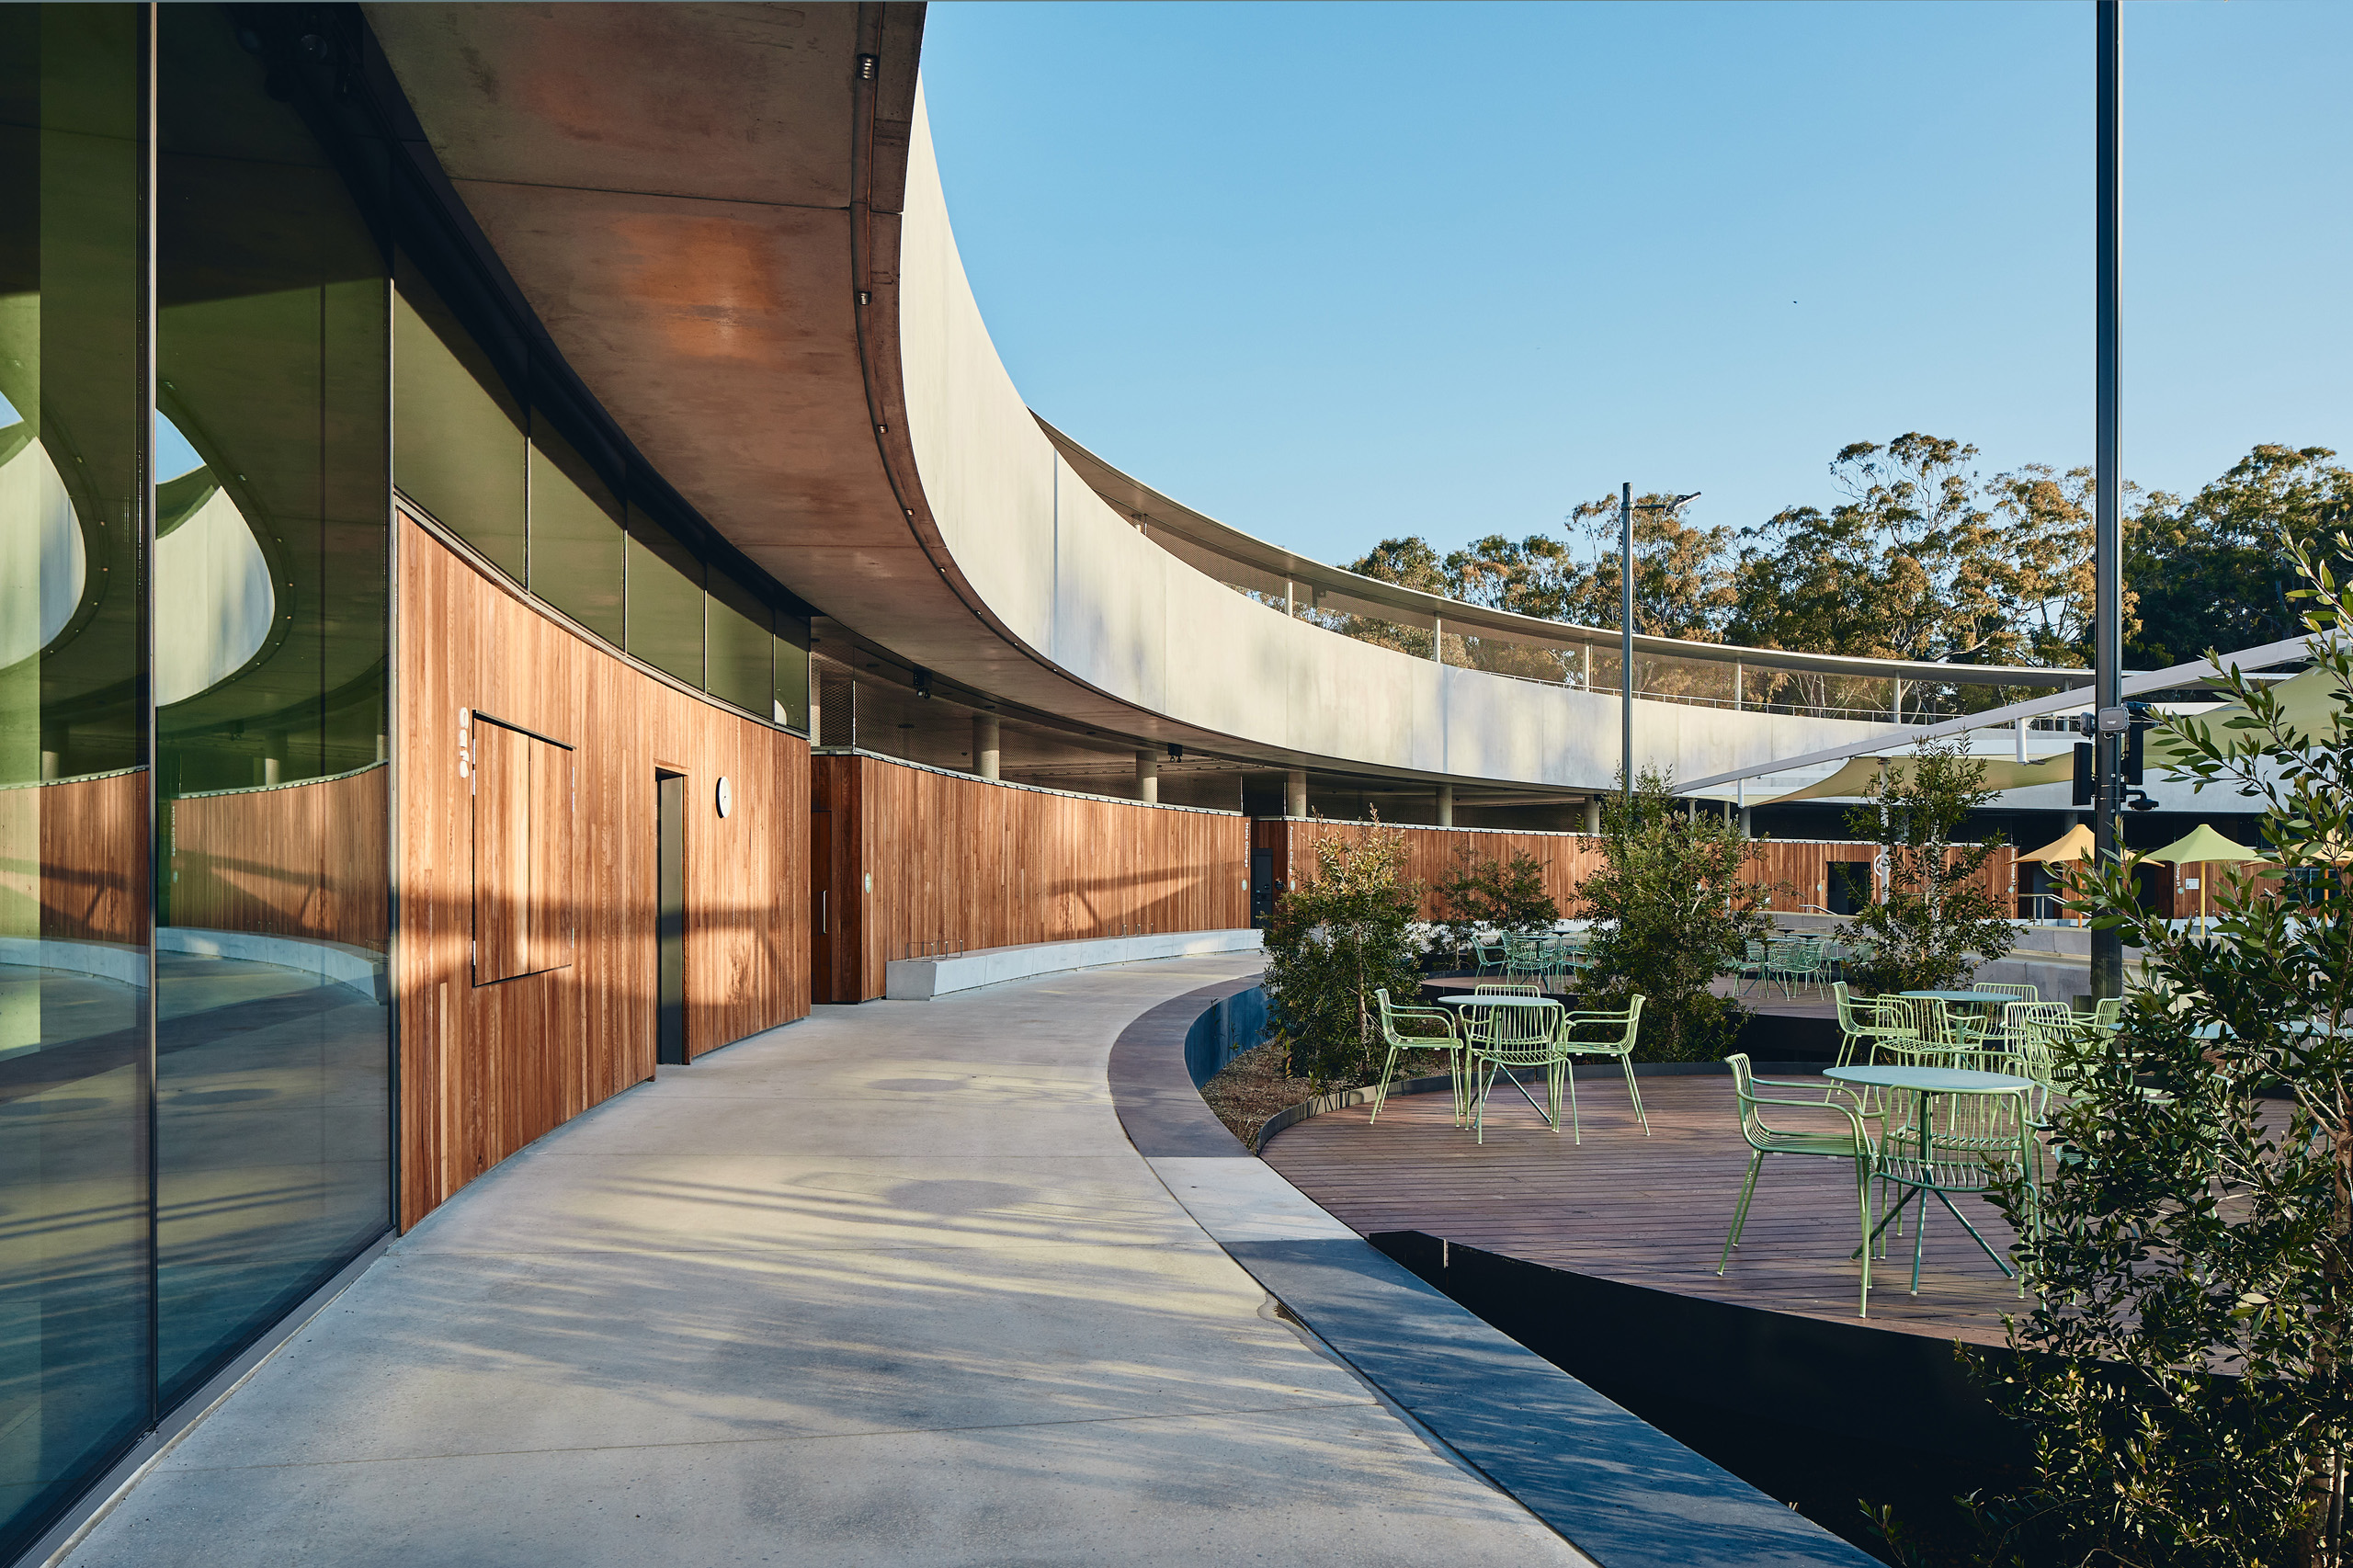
1740,1210
1561,1072
1381,1090
1635,1091
1863,1204
1576,1131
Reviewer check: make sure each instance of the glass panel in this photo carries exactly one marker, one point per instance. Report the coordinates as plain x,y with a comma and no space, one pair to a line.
741,656
460,447
666,600
792,654
272,1115
576,535
74,1370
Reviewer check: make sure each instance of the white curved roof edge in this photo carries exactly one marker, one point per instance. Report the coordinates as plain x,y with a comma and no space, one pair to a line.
2190,674
1370,596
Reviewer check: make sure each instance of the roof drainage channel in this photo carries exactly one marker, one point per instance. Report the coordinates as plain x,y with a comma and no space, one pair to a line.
1618,1489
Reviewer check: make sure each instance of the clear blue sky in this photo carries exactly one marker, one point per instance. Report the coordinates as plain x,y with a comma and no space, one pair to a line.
1333,272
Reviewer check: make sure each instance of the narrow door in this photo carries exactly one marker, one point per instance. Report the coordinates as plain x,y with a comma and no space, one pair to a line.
670,920
822,915
1262,886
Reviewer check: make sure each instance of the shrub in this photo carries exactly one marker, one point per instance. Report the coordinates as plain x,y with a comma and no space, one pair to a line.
1482,894
1331,943
1934,923
2189,1393
1677,914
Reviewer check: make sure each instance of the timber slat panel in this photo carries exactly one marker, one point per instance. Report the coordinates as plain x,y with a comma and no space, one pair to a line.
304,859
1643,1210
74,859
960,863
486,1069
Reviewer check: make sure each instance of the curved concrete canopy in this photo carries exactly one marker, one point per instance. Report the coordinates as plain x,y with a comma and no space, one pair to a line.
730,220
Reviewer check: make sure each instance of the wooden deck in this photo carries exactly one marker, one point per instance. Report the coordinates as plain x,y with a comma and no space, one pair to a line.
1644,1210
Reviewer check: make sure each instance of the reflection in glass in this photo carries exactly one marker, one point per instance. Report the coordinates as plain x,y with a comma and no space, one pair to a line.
739,660
666,600
74,1346
272,1104
576,541
791,656
461,451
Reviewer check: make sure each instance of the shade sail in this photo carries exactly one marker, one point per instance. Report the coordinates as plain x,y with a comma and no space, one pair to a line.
1861,776
2307,702
2076,844
2202,845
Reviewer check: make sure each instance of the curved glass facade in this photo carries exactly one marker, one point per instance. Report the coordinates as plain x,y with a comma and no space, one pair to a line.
209,354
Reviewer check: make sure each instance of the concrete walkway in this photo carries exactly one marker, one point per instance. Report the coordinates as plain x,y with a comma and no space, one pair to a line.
888,1285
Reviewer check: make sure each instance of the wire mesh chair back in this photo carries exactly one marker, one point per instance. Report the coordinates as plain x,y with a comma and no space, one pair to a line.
1525,959
1975,1139
1514,1037
1506,988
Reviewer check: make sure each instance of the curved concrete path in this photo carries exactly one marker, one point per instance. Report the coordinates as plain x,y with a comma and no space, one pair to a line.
889,1286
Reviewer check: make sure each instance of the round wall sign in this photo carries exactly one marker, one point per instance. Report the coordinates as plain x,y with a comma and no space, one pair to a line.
726,798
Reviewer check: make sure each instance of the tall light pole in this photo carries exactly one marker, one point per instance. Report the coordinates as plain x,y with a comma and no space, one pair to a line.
2108,602
1626,509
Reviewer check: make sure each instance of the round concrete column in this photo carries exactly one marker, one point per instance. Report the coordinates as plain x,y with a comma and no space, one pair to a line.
1593,813
1148,776
984,744
1295,793
1446,805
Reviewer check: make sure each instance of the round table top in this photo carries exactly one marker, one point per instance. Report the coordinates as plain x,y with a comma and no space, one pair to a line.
1500,1001
1964,995
1936,1080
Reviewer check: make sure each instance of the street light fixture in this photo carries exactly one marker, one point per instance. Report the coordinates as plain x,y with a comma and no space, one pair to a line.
1626,511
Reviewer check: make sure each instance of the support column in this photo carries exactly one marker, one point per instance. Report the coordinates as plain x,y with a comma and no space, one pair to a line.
1148,776
1592,813
1295,793
1446,805
984,744
1747,825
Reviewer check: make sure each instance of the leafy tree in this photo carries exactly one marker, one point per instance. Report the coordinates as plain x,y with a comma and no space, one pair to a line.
1499,895
1934,922
1332,941
2212,572
2046,537
2189,1387
1675,913
1906,567
1683,585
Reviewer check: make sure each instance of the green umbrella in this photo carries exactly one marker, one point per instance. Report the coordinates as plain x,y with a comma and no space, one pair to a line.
2203,846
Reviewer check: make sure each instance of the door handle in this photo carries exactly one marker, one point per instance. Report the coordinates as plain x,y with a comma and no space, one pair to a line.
822,928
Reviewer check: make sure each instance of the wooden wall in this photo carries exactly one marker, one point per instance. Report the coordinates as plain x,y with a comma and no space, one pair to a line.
304,859
74,859
960,863
1569,858
486,1069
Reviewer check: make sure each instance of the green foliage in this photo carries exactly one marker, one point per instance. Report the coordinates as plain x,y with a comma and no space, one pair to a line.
1333,941
2189,1390
1497,896
1677,914
1934,922
2212,570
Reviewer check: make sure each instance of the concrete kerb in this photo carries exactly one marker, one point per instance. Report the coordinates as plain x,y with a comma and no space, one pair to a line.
1618,1490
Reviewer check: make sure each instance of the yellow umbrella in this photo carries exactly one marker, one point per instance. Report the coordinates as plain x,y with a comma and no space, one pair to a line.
2076,844
2202,846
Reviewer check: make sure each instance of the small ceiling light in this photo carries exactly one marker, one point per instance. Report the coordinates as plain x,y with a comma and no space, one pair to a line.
869,66
864,298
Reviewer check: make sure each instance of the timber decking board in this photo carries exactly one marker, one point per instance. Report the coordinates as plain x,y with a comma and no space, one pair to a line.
1648,1211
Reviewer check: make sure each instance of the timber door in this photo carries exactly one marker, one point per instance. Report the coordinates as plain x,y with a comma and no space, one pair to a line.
670,919
823,914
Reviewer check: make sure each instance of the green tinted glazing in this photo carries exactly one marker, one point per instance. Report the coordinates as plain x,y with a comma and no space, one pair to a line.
458,431
666,600
75,1380
742,653
792,653
578,546
272,1116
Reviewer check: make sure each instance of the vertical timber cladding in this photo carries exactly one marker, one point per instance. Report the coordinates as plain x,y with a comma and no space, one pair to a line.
486,1069
960,863
1797,869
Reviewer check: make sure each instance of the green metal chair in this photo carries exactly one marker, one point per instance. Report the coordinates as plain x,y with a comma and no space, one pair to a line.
1795,962
1501,1042
1417,1036
1751,968
1525,959
1852,1141
1613,1037
1971,1138
1488,956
